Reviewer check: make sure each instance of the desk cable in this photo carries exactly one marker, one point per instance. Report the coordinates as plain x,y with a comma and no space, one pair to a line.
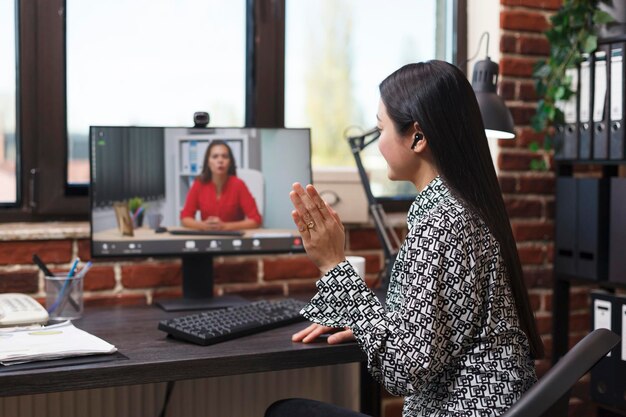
168,394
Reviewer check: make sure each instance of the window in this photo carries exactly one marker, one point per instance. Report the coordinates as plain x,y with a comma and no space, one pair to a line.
8,108
338,51
151,62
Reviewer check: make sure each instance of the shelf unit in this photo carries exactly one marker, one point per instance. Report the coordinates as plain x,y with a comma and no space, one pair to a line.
599,141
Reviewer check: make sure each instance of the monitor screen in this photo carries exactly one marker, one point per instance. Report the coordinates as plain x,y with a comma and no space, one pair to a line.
145,180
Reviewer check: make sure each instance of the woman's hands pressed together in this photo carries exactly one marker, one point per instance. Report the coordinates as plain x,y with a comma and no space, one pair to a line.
322,233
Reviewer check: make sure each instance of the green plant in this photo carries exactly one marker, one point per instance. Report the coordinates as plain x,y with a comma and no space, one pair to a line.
134,204
572,33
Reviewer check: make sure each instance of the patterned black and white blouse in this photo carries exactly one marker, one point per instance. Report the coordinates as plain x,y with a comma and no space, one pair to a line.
448,338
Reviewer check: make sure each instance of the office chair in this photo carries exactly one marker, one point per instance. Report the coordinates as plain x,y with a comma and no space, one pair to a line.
549,397
255,183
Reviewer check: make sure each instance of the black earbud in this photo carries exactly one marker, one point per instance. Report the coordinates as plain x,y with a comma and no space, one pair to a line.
418,137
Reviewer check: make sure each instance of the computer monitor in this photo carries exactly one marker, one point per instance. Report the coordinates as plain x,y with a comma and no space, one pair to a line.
155,167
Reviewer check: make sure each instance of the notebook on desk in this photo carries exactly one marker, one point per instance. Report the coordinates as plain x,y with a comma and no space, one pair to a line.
206,232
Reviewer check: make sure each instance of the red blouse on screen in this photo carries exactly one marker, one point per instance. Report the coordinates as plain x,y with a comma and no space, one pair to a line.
234,204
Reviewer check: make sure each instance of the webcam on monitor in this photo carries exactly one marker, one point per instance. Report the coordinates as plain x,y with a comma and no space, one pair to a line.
201,119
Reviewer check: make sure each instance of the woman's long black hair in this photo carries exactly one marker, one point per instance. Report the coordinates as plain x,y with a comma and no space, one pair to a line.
205,175
437,96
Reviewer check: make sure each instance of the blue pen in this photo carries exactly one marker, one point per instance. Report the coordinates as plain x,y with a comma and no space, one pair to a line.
62,292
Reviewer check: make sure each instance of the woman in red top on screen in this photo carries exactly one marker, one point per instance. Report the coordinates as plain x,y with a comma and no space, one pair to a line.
224,201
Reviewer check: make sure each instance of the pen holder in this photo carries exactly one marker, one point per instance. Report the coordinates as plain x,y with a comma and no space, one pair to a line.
64,297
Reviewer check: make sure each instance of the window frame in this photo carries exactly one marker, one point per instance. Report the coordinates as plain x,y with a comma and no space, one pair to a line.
41,129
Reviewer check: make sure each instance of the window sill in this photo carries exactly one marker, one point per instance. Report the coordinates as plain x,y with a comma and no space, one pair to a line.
44,231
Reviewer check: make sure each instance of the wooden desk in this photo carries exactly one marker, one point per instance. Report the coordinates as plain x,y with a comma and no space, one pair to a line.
153,357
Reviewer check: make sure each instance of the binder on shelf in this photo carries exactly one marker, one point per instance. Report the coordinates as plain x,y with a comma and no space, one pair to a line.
617,233
600,132
585,102
604,375
566,137
592,227
565,233
616,104
193,157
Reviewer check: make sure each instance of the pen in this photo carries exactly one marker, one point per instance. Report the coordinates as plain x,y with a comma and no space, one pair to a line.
42,266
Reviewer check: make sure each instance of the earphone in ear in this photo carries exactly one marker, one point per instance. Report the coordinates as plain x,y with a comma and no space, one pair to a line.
418,137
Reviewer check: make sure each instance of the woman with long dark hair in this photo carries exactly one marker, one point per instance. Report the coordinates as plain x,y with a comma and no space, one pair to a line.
224,201
457,336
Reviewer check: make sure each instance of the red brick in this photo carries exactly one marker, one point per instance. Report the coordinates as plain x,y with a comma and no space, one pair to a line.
527,92
531,255
84,249
534,300
532,231
523,20
507,184
549,210
508,161
247,290
373,263
579,322
534,45
19,281
522,114
550,252
579,299
523,208
507,143
507,90
544,324
526,136
541,367
508,43
363,239
115,300
537,4
151,275
536,184
99,278
538,278
289,268
235,272
517,67
21,252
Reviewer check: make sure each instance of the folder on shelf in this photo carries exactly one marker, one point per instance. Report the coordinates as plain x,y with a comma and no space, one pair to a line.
184,157
603,375
565,237
566,137
617,233
584,126
193,157
600,132
616,100
592,228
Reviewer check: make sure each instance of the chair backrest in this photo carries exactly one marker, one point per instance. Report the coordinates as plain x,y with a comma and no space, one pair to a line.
551,393
254,181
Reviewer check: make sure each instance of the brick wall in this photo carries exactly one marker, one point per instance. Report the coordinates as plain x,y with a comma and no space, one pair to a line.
530,195
137,281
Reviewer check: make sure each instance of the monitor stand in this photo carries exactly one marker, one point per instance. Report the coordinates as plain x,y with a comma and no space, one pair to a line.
198,288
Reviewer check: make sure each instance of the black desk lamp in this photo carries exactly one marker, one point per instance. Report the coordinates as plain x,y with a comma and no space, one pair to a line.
386,234
496,116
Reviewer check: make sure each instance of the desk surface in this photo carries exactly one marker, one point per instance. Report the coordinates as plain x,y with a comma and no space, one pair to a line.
153,357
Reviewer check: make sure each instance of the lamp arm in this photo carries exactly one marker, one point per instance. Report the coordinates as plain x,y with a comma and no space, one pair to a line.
383,229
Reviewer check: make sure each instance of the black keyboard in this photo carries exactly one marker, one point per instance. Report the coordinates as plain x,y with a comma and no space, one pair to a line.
206,232
215,326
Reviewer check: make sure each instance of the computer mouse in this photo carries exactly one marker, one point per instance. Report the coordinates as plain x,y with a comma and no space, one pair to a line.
160,229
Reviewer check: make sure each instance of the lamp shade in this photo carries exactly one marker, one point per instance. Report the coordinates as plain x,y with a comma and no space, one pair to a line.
496,116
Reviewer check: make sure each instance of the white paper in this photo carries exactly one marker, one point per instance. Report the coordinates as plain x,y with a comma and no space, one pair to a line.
569,107
585,93
617,74
624,332
599,88
602,315
50,342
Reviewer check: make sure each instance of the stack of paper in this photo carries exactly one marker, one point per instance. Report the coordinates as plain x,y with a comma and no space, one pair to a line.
51,342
